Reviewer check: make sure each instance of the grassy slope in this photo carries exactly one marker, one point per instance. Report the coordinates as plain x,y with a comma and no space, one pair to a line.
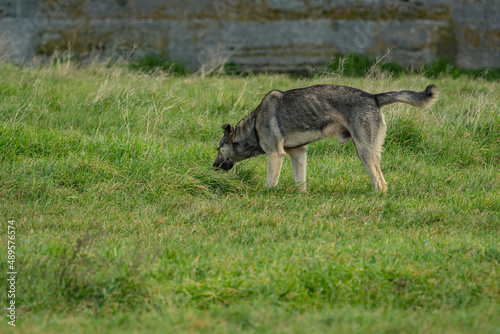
122,224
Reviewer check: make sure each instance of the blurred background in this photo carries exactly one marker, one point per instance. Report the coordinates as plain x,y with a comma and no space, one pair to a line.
261,35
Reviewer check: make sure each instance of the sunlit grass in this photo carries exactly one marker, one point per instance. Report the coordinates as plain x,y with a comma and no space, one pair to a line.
124,226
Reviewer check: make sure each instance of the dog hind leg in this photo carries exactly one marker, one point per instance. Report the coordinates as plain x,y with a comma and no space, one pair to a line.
382,182
370,158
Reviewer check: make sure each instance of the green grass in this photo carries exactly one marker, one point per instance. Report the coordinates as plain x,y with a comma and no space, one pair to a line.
152,62
360,65
123,226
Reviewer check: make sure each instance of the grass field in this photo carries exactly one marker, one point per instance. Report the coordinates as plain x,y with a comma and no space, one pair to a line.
123,226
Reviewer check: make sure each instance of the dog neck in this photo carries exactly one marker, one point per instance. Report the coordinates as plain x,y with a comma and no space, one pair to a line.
247,137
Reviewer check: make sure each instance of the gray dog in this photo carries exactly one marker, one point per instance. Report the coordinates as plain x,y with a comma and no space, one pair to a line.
287,121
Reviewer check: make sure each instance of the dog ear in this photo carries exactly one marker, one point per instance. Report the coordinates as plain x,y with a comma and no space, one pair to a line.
228,131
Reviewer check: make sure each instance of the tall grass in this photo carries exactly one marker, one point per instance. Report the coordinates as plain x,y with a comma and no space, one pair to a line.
124,227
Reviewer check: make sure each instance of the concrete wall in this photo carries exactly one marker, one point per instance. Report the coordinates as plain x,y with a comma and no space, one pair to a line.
274,34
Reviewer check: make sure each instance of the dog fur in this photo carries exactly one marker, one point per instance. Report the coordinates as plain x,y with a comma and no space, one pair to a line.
285,122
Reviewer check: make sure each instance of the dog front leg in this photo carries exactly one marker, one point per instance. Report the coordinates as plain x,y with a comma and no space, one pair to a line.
299,164
274,162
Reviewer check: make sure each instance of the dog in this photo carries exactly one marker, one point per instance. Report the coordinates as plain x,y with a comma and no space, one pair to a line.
284,122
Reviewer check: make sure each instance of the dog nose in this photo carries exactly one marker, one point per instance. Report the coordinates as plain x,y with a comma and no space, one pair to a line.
218,164
224,165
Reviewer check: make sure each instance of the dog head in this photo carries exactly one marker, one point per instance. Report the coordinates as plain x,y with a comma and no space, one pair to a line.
226,153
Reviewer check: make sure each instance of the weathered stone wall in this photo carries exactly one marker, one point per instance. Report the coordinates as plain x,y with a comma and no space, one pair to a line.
274,34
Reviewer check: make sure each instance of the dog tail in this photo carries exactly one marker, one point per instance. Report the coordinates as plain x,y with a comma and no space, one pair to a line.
418,99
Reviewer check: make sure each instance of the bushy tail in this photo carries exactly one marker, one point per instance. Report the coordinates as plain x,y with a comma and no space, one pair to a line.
418,99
